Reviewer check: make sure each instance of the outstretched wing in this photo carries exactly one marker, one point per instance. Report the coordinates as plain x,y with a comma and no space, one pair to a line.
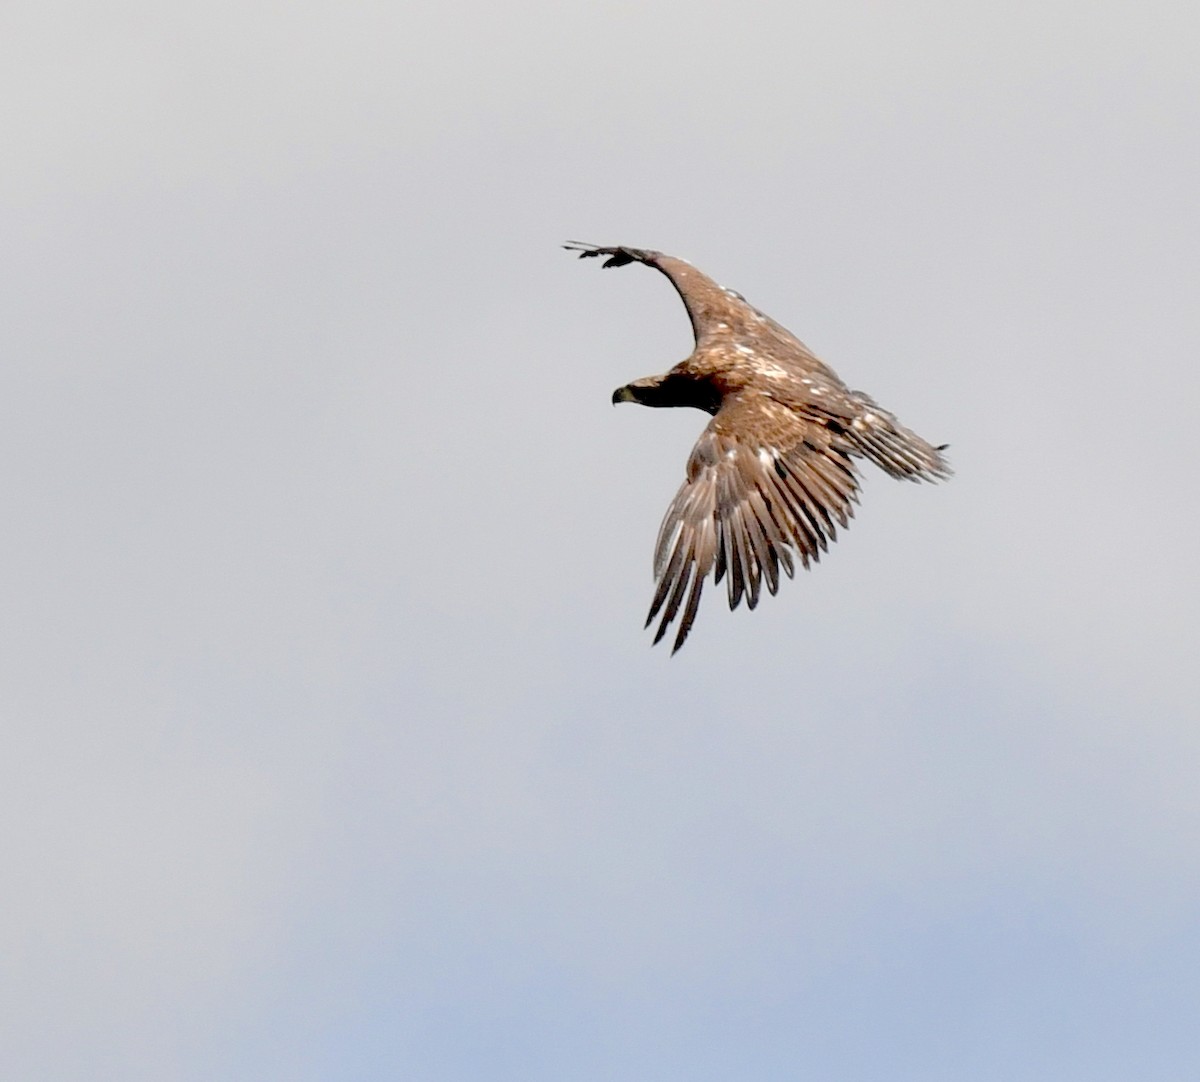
764,486
709,306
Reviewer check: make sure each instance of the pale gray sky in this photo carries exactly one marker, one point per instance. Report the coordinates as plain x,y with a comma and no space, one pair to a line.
333,748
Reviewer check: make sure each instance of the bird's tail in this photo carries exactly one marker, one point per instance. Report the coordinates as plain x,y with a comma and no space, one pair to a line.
895,449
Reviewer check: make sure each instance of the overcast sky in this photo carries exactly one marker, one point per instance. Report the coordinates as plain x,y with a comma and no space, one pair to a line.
332,747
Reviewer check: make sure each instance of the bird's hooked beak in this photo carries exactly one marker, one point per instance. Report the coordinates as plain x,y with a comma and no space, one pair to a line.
624,394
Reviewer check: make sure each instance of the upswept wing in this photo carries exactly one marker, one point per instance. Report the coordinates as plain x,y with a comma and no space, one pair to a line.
763,487
710,306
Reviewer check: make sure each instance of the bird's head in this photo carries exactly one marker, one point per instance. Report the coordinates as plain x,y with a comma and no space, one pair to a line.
645,392
675,388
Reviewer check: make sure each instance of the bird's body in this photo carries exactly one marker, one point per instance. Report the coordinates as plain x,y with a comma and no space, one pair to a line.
773,474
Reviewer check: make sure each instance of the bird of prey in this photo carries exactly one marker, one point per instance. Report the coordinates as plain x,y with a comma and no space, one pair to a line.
773,473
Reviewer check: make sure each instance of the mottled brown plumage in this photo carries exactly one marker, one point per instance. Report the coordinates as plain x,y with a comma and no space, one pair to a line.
773,475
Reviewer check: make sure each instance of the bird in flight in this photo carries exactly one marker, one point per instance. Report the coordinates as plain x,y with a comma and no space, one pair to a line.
773,474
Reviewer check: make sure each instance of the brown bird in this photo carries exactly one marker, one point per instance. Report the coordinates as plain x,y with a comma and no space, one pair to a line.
774,470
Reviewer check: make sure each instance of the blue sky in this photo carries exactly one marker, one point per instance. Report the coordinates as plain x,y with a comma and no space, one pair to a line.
334,748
